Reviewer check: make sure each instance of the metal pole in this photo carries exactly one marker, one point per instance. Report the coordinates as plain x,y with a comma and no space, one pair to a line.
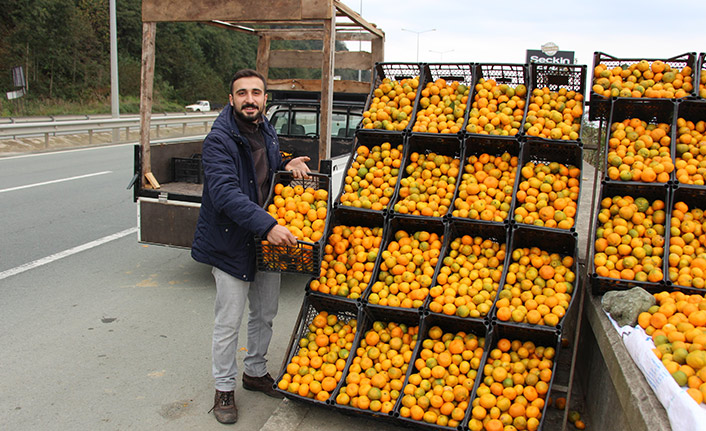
114,93
418,33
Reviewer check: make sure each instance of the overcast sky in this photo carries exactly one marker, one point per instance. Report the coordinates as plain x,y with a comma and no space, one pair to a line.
502,31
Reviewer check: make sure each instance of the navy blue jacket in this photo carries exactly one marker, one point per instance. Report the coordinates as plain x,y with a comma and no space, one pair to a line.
230,215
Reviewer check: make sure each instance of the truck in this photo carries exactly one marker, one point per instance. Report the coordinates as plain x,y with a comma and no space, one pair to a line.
313,117
199,106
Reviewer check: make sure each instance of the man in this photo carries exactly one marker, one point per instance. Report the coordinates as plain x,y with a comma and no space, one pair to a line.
240,156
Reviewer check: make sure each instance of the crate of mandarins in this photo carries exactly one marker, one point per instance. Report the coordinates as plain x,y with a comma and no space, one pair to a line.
629,238
487,181
472,265
516,378
391,104
701,92
319,349
685,265
690,143
498,100
440,385
549,186
300,204
443,100
541,279
373,382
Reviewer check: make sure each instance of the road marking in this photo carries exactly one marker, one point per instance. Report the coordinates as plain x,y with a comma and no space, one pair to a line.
62,254
11,189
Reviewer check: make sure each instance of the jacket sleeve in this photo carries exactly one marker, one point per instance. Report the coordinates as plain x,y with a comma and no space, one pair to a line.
228,197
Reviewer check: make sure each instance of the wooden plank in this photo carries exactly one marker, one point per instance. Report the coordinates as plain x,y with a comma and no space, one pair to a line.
339,86
327,71
359,60
356,18
263,55
241,10
378,54
149,30
313,34
316,9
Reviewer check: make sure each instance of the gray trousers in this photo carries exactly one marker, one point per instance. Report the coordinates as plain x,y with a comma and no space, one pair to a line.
231,295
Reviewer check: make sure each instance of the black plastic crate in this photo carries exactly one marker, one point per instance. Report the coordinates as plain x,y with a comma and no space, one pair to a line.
549,153
312,306
439,144
473,330
513,75
700,77
461,73
600,104
496,233
385,278
651,111
539,340
556,78
305,257
370,139
370,320
601,283
564,244
188,170
495,146
351,219
693,111
395,72
694,198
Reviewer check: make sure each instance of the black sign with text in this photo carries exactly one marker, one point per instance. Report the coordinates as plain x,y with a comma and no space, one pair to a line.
561,57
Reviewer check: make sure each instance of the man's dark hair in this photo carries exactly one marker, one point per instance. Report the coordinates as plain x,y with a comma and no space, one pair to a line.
248,73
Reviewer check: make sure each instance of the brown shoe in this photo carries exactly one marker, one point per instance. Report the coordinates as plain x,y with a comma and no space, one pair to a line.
264,384
224,407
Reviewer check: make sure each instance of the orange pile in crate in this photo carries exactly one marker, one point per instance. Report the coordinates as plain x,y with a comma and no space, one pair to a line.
485,190
316,369
702,84
629,242
442,107
687,246
514,388
638,151
429,186
497,109
554,114
348,262
392,104
302,210
677,325
377,373
691,152
538,288
439,391
548,195
372,177
469,280
643,79
406,269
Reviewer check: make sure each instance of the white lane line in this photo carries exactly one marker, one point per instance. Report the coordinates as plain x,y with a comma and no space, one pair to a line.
61,180
62,254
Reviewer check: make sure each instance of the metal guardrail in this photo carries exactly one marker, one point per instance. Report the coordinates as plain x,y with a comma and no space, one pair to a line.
53,128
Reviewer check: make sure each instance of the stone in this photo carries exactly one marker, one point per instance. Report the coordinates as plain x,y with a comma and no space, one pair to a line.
625,305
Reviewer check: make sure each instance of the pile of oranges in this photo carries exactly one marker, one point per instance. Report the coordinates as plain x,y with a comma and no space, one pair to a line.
442,107
497,109
687,246
690,160
469,278
392,104
677,325
643,79
302,210
315,370
548,194
406,269
370,181
348,262
514,389
554,114
486,187
629,242
702,85
638,151
538,287
429,186
439,391
376,375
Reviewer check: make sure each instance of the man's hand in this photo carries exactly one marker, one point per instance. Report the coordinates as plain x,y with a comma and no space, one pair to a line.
280,235
298,167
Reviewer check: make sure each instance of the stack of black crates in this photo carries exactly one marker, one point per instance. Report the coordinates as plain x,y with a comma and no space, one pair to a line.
683,185
506,233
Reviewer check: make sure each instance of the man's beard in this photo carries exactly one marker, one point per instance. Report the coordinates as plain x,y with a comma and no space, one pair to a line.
248,117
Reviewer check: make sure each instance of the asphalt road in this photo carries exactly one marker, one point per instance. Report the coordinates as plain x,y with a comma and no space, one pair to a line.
97,331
